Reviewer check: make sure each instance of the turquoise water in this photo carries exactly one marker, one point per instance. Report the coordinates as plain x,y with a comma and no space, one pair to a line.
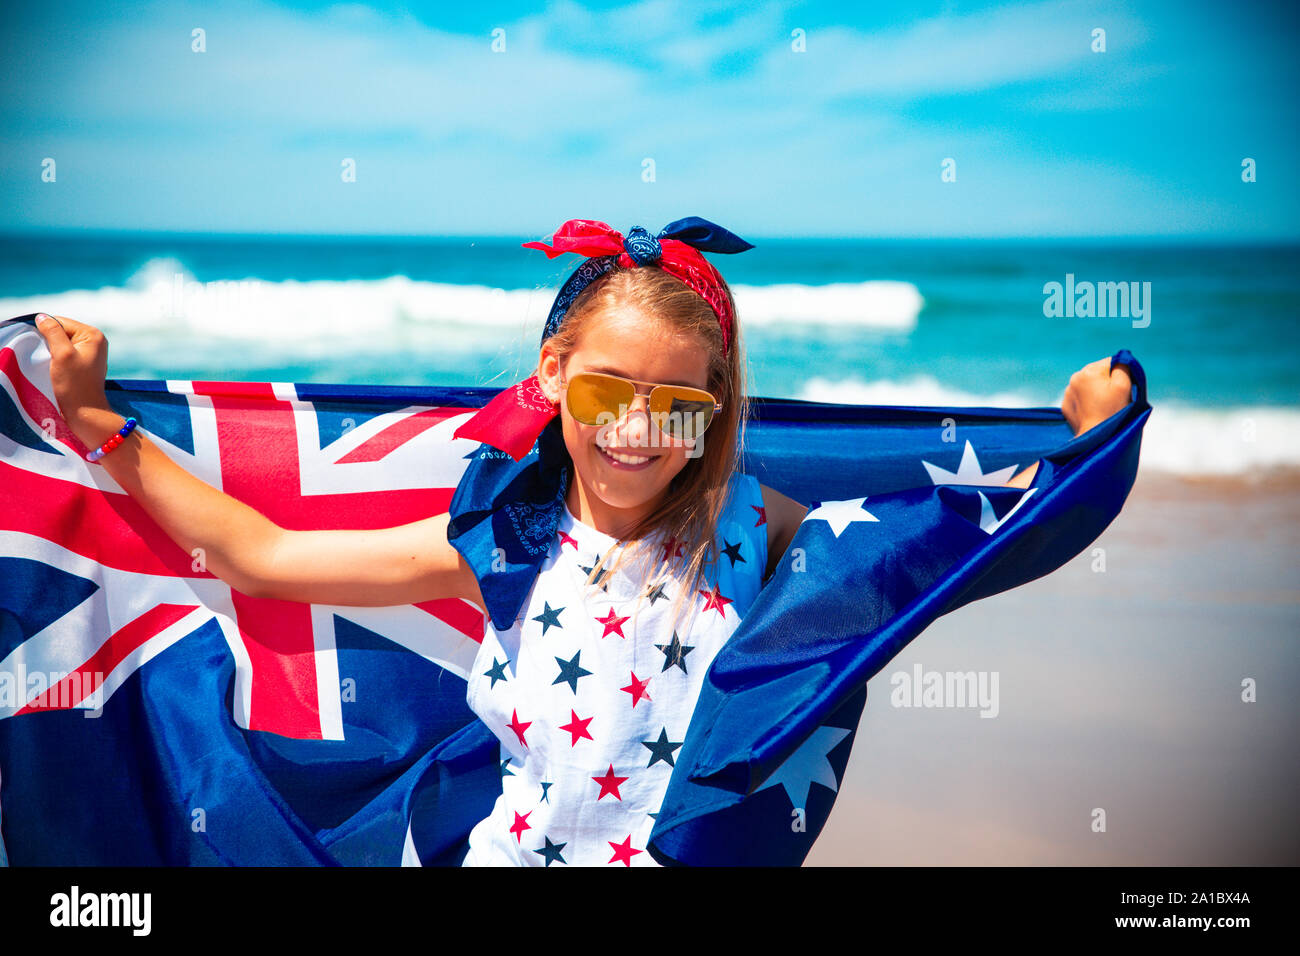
883,322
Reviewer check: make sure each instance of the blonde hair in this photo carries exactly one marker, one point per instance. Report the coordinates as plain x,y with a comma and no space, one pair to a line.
689,514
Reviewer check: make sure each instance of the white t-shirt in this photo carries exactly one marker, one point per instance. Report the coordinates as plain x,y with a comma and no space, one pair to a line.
591,692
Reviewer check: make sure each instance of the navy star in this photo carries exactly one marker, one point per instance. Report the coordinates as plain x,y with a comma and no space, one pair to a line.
733,552
656,592
552,852
675,653
661,749
604,585
505,768
549,617
546,785
497,671
570,672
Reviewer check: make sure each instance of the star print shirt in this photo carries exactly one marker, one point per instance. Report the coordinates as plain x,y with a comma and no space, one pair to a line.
592,689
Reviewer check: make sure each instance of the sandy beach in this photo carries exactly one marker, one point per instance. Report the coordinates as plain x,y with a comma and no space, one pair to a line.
1118,690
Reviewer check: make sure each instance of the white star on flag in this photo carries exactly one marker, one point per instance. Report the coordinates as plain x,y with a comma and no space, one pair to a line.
968,472
840,514
808,765
990,522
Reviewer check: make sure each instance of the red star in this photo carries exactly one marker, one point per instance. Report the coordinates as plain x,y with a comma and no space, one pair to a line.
623,851
578,728
518,728
672,549
612,623
520,825
762,515
637,689
609,784
565,539
716,601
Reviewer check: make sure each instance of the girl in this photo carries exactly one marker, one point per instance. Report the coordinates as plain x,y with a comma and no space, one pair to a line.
636,543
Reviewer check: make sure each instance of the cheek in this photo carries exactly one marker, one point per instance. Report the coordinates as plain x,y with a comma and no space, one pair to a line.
676,463
575,438
581,441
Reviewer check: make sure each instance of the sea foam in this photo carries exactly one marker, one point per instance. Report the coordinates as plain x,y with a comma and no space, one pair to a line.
163,294
1178,438
162,312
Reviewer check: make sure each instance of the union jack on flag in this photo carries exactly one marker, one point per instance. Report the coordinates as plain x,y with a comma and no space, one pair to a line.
151,714
93,592
295,453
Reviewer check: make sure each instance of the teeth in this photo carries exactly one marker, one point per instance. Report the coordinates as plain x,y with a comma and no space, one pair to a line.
627,459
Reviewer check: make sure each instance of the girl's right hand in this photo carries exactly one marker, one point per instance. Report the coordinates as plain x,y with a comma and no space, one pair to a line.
78,363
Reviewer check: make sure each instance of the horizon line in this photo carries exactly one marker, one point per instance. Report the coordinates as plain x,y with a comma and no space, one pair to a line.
172,234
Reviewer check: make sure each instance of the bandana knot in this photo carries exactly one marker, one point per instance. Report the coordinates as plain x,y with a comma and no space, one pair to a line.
642,248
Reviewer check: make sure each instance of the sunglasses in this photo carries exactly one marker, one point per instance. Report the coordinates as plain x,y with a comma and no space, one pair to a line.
679,412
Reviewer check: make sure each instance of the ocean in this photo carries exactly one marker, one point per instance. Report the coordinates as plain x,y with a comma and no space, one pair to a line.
891,322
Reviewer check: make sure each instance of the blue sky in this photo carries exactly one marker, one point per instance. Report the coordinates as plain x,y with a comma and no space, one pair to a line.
846,138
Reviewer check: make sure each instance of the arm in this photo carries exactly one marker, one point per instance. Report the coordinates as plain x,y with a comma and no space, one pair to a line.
1095,393
381,568
240,545
784,516
1023,479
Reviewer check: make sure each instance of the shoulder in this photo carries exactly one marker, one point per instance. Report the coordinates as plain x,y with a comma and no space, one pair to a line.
784,516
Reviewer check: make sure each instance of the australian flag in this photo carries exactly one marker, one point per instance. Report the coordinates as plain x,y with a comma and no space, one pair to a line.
152,715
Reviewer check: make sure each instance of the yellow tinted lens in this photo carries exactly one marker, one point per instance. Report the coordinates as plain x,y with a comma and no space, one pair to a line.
682,412
590,394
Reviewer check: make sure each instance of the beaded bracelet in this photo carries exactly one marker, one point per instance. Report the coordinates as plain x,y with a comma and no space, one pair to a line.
113,442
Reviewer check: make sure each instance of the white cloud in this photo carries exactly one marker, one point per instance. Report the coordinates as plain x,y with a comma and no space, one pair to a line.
957,54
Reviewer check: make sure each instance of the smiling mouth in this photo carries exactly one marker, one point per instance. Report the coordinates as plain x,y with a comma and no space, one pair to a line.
625,459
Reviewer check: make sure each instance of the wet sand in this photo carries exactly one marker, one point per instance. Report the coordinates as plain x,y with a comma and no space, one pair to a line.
1118,690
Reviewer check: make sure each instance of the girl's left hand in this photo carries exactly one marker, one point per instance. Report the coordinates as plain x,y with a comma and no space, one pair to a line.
1095,393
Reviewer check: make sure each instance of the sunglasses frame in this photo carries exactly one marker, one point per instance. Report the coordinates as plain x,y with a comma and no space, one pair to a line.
649,396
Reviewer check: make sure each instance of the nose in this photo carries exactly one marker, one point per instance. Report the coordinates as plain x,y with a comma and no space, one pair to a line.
635,426
632,430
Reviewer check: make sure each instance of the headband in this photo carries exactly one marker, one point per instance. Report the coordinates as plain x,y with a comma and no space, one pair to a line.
675,250
514,418
503,515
